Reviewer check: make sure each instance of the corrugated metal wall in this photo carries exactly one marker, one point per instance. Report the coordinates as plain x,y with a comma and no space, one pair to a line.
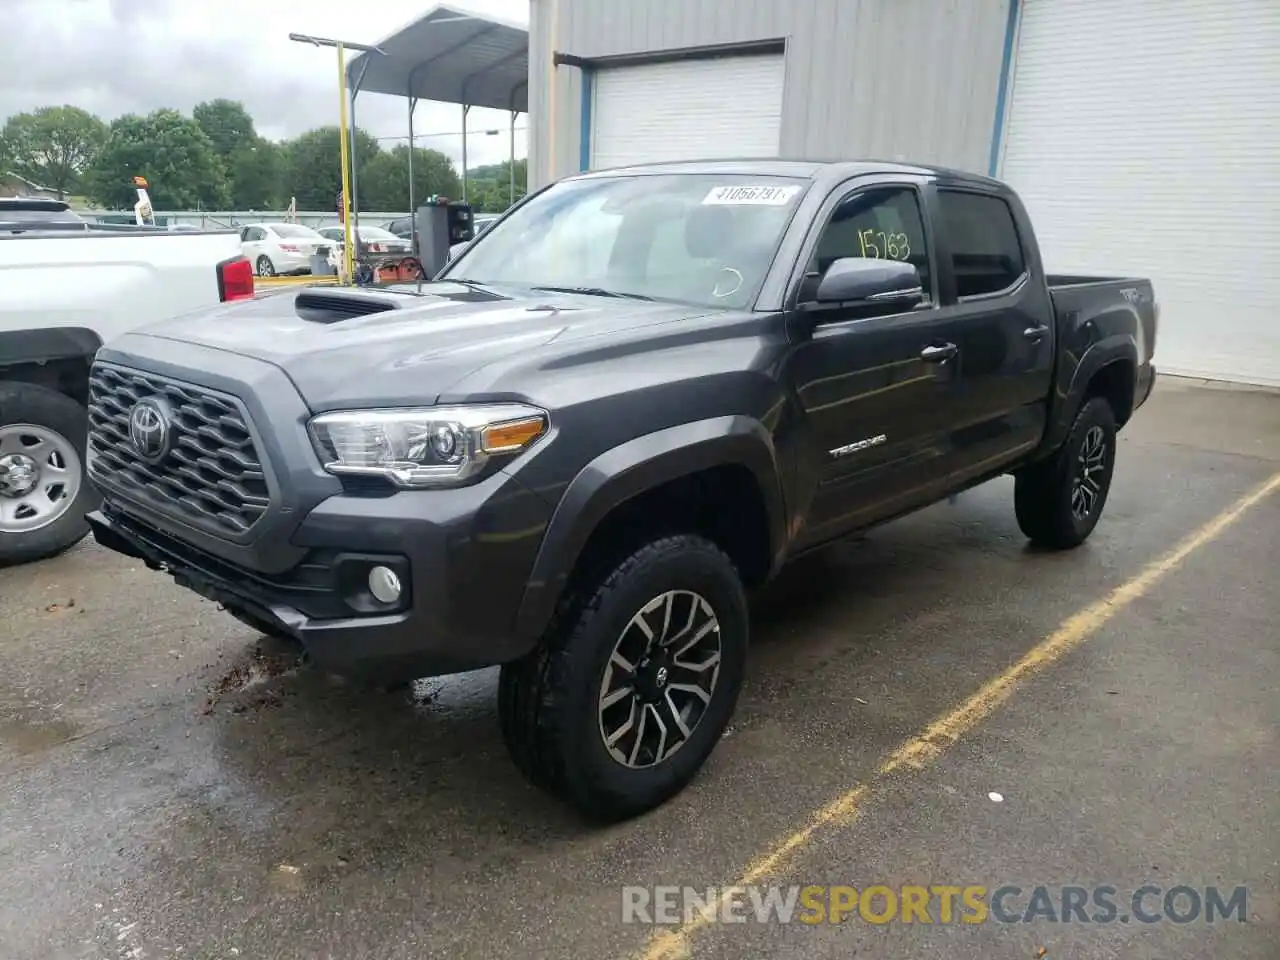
916,79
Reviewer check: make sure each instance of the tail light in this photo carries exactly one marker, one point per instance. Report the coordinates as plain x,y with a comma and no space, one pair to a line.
235,280
289,246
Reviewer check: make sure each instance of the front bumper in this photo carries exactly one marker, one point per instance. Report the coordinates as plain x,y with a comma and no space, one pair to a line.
463,560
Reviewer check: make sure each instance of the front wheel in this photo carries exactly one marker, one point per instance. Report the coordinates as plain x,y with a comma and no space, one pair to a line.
635,682
44,494
1059,502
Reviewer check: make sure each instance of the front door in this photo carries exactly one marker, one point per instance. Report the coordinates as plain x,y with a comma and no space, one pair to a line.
869,386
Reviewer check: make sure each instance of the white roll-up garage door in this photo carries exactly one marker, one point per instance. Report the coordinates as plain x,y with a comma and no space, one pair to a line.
686,110
1144,138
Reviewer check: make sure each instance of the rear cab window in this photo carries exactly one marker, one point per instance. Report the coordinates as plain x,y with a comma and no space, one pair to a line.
981,235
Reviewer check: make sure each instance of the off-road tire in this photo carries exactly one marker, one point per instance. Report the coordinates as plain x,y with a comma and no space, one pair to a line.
1042,495
548,701
30,403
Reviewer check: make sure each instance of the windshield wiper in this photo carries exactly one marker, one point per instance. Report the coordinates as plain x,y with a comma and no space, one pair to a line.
594,292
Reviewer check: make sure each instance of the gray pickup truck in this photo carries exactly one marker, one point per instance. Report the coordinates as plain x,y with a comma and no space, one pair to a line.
626,404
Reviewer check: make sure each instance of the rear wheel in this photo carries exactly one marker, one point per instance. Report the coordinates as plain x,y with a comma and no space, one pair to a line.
635,682
265,267
44,494
1058,502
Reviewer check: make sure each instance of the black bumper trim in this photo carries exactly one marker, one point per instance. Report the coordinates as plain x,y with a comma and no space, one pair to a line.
370,644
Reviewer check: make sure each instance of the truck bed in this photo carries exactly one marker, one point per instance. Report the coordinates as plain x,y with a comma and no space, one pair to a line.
1079,280
108,281
1100,307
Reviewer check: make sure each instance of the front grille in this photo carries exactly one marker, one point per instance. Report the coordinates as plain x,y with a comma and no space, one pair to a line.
211,476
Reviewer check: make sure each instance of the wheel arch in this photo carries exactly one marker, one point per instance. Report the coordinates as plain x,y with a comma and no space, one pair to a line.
1108,368
57,358
729,457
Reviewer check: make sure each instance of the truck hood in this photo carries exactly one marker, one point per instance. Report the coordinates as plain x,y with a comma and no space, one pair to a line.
413,348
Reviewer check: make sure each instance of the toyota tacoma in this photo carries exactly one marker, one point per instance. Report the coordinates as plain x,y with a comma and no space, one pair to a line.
626,404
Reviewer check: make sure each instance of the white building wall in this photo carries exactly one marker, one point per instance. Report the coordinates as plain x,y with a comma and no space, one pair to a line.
889,79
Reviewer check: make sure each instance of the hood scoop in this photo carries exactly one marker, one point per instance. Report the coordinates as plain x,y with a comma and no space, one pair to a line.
333,306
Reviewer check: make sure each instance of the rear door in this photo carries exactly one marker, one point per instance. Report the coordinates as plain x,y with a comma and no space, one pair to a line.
252,243
998,400
869,386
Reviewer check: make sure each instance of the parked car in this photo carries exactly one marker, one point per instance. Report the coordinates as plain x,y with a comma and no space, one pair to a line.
66,287
277,249
618,410
403,227
374,240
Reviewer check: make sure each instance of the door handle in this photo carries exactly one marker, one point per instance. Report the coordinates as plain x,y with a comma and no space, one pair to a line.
1036,333
937,354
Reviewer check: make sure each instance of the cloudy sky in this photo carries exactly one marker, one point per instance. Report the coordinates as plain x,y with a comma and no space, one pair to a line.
132,56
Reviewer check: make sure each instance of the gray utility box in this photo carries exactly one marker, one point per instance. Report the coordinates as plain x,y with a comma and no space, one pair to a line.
433,237
439,226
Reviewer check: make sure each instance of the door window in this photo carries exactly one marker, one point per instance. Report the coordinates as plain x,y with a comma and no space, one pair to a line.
884,223
986,256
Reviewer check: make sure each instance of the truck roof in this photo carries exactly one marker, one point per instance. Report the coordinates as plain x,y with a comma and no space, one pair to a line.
33,203
786,167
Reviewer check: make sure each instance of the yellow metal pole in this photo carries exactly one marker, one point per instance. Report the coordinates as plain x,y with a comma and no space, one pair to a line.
345,161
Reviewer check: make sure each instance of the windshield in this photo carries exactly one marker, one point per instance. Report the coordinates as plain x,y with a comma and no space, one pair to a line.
294,232
697,238
376,233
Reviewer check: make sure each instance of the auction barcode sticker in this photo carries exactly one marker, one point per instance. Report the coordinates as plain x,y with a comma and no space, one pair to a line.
752,194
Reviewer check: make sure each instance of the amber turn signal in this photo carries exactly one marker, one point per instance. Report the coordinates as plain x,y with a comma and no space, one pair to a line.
512,435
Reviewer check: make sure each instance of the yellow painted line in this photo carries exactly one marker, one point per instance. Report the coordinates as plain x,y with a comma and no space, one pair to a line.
291,281
928,745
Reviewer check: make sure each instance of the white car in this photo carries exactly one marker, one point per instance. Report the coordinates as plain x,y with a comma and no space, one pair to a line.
372,240
279,248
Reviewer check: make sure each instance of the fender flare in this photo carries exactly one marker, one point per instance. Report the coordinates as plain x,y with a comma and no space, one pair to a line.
47,344
1071,399
631,468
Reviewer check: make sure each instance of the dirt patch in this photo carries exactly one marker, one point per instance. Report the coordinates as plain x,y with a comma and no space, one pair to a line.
247,683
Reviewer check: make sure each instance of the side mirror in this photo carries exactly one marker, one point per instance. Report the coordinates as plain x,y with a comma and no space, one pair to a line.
870,281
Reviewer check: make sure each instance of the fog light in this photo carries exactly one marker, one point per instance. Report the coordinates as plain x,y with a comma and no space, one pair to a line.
384,584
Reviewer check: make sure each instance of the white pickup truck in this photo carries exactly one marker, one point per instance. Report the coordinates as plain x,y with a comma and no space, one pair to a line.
66,288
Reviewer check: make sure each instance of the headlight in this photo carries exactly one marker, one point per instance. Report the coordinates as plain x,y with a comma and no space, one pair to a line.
424,447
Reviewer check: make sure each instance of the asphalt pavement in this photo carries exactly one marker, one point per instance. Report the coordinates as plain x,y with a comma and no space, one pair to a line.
933,706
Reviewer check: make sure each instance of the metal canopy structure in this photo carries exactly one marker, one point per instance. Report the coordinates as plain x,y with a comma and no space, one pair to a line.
453,56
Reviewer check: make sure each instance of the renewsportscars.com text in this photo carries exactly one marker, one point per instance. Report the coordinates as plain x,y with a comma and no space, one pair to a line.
935,903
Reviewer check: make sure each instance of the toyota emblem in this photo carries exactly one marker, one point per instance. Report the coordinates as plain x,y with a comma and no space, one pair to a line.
149,430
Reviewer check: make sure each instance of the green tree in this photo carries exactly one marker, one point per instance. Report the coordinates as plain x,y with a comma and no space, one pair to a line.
489,187
384,180
171,151
252,163
53,145
314,170
227,124
256,175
